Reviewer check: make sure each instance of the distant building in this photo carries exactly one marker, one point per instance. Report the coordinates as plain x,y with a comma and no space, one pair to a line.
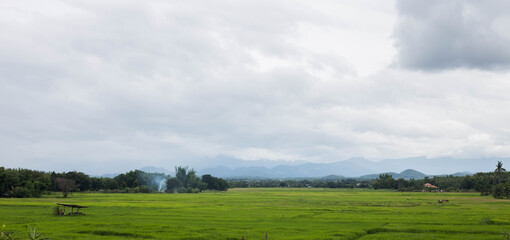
428,185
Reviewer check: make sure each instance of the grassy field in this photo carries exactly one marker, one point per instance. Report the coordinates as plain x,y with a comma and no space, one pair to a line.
282,213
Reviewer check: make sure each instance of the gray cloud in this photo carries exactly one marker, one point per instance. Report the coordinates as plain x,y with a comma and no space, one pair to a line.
439,35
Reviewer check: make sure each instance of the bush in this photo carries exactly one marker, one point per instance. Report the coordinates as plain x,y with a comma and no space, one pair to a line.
172,184
20,192
144,189
498,191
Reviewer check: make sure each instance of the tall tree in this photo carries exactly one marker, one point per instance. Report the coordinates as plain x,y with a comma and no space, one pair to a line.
499,170
65,185
184,175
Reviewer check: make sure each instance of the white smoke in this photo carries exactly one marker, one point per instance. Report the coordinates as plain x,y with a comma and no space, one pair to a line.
162,185
159,182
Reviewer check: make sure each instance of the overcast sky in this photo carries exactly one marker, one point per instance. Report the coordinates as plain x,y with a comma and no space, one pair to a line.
109,86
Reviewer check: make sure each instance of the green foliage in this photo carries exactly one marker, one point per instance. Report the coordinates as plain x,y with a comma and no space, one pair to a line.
144,189
501,185
186,181
23,183
4,235
214,183
499,170
385,181
183,175
34,235
295,183
132,179
172,184
20,192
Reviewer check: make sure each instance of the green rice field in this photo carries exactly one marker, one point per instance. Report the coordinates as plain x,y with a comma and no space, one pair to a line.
282,213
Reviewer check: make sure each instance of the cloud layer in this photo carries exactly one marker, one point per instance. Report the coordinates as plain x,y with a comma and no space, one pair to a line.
440,35
107,87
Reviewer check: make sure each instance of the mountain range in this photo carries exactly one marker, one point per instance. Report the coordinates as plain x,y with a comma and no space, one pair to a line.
227,167
360,167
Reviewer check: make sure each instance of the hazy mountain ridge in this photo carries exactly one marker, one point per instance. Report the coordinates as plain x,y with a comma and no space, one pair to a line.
417,168
406,174
351,168
152,169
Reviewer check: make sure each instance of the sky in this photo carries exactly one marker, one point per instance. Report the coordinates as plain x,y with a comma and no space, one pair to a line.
110,86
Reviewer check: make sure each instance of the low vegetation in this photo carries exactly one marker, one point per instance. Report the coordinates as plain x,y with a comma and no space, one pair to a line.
284,213
32,234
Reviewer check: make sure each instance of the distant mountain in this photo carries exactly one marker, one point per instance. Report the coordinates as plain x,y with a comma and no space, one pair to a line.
457,174
151,169
439,166
344,168
374,176
406,174
331,177
238,163
411,174
354,167
109,175
462,174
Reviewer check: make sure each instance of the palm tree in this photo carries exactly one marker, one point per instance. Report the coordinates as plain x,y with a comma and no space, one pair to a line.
499,170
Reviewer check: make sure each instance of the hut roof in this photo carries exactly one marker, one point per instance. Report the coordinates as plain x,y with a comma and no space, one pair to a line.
71,205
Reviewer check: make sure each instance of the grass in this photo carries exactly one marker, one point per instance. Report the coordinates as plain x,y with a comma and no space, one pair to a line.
282,213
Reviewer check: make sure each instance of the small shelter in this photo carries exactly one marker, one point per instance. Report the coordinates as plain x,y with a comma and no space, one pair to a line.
62,211
428,185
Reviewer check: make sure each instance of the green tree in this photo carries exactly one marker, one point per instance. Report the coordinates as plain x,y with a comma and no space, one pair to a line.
182,175
499,170
385,181
467,183
3,187
172,184
215,183
81,179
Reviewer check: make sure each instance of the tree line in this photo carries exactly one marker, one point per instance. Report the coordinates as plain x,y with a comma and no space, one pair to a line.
32,183
300,183
495,183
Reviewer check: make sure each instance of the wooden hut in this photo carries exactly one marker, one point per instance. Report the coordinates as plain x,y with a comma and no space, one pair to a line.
62,211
